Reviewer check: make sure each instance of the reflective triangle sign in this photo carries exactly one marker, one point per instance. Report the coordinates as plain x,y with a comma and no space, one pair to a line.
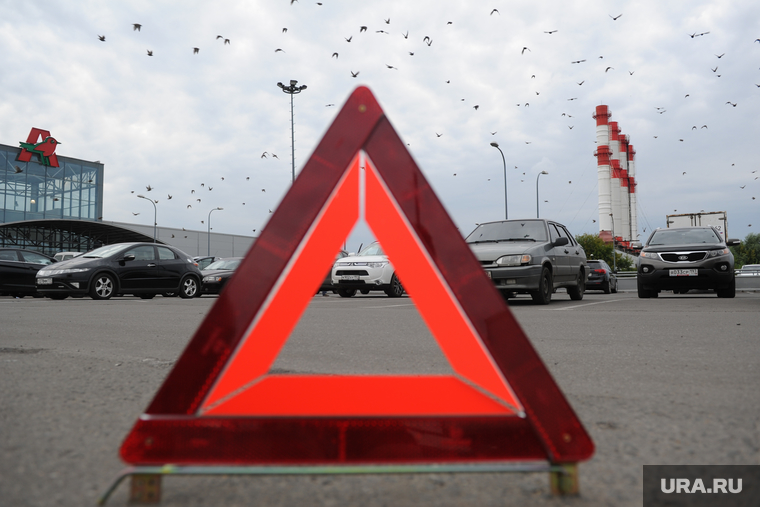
221,405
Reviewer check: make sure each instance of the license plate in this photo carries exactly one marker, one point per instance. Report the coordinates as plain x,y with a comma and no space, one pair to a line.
684,272
44,281
349,277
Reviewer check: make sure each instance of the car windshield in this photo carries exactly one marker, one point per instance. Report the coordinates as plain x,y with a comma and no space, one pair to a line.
224,264
103,251
516,230
373,249
695,236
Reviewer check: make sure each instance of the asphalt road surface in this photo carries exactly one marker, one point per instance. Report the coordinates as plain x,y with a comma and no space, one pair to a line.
672,380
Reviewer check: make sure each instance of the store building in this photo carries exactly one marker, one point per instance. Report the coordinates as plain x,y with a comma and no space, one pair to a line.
51,203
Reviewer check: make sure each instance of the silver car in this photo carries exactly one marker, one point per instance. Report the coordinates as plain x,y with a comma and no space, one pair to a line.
533,256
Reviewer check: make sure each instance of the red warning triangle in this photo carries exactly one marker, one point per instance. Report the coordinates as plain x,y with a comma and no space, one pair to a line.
220,404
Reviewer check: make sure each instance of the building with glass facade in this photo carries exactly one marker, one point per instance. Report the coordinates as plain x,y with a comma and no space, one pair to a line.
33,191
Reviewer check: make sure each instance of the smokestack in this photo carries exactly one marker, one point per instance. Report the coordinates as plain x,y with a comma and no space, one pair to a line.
603,155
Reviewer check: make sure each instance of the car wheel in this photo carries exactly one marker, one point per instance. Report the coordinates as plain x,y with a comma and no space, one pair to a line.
396,290
544,293
614,287
606,287
103,287
364,291
643,293
58,297
346,293
188,287
728,292
576,293
147,296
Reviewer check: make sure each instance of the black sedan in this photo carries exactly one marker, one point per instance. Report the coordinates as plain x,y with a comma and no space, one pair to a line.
601,277
18,268
143,269
216,274
686,258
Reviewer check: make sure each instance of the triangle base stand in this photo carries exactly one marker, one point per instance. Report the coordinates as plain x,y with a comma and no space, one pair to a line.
146,480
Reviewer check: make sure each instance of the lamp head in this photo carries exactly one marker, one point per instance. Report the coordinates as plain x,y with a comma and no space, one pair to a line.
141,196
293,82
544,172
495,144
281,85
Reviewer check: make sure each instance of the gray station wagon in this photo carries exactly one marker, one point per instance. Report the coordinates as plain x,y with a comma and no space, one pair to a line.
533,256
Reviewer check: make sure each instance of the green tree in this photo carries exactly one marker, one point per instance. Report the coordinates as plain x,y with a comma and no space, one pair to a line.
748,252
596,248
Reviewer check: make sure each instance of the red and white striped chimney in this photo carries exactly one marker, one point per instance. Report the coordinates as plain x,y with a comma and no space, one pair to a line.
603,155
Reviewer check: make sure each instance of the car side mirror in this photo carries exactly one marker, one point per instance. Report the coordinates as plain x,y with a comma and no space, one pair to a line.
733,242
561,241
129,257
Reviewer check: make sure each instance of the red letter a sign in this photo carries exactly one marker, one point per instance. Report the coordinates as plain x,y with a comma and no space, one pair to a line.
221,405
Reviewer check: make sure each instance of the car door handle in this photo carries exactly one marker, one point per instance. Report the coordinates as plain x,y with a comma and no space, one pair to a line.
151,265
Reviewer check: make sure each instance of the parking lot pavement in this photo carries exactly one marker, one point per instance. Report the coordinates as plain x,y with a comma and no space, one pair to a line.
664,381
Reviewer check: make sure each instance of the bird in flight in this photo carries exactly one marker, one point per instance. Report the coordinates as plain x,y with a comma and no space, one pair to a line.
135,214
406,35
578,61
148,188
278,50
226,41
102,38
715,69
136,27
354,74
349,39
720,55
196,51
475,107
334,55
168,196
362,29
614,18
732,103
523,50
496,11
579,84
608,68
438,135
391,66
388,21
150,53
550,31
18,169
264,155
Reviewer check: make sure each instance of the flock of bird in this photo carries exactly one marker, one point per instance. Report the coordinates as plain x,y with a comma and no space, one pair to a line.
387,28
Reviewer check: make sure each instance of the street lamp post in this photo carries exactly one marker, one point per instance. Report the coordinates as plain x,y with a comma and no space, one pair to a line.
537,177
291,90
155,213
614,255
208,235
506,208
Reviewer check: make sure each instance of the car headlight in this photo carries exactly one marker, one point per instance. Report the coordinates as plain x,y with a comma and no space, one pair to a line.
377,264
513,260
53,272
715,253
650,255
212,278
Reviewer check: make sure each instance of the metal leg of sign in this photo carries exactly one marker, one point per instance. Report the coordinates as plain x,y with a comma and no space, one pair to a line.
145,489
146,480
564,482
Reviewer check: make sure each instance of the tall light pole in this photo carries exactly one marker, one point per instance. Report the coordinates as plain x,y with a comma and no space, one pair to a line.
209,229
506,209
292,90
614,255
537,177
155,214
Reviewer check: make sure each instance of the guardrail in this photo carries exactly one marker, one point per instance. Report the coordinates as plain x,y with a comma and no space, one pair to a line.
626,274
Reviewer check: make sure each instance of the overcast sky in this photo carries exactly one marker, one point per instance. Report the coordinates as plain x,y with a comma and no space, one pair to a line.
176,120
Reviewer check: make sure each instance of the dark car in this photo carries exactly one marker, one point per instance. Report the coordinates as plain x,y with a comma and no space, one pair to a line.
601,277
216,274
143,269
18,268
686,258
203,262
533,256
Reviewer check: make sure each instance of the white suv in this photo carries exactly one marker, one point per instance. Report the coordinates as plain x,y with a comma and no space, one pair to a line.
368,270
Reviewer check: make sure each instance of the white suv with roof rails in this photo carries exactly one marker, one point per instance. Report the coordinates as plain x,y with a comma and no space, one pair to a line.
366,271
